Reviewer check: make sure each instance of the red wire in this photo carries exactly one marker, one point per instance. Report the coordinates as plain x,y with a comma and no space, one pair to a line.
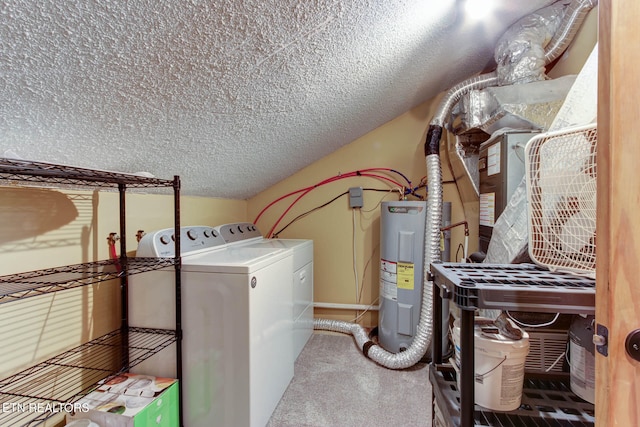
255,221
270,234
326,181
385,178
306,190
277,200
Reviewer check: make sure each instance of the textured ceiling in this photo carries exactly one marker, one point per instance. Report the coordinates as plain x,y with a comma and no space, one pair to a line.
232,95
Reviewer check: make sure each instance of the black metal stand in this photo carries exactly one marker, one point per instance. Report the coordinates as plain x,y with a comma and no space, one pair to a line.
547,400
178,294
467,362
69,376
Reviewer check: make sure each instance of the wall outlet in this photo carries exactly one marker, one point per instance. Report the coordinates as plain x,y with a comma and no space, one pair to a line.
355,197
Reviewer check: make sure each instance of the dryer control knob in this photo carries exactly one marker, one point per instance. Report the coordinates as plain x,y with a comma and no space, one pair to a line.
164,239
192,234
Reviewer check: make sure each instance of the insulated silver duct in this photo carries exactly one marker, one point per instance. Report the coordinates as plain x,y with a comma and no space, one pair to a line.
537,40
458,91
434,217
520,52
422,339
523,106
574,16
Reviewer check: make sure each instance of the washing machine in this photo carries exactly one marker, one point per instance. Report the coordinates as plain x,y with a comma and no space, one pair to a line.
236,324
248,235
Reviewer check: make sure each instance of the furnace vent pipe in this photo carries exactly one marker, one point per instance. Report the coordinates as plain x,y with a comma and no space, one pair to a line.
453,95
538,39
574,17
422,340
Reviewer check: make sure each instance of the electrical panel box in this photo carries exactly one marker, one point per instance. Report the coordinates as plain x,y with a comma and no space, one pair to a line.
355,197
501,169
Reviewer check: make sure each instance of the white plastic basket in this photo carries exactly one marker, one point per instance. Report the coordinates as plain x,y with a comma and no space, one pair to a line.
561,190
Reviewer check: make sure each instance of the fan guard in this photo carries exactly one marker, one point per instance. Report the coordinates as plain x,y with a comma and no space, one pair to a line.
561,190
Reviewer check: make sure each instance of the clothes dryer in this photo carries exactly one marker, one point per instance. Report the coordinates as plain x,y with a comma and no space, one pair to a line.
236,321
248,235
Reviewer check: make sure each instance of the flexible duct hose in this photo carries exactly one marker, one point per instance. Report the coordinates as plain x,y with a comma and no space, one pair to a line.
422,340
574,16
452,97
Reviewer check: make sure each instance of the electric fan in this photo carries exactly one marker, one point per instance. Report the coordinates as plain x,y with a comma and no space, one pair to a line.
561,190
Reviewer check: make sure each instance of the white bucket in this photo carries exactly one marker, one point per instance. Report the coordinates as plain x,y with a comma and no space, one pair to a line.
499,368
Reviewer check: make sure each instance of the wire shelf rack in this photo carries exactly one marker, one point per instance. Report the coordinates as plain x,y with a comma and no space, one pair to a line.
64,379
518,287
27,171
546,400
39,282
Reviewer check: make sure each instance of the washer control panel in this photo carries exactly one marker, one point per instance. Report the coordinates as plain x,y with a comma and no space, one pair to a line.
238,231
161,243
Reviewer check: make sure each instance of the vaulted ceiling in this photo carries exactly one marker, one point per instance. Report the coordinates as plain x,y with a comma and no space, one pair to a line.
232,95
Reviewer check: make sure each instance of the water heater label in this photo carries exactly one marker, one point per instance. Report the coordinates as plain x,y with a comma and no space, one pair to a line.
388,290
388,266
412,210
405,275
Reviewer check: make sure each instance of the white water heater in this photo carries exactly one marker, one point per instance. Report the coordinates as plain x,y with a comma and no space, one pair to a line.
402,231
401,270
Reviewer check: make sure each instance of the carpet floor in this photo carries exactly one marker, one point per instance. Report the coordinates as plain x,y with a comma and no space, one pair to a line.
334,385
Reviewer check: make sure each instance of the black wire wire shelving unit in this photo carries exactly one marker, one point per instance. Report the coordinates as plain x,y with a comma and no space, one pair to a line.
38,392
547,398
